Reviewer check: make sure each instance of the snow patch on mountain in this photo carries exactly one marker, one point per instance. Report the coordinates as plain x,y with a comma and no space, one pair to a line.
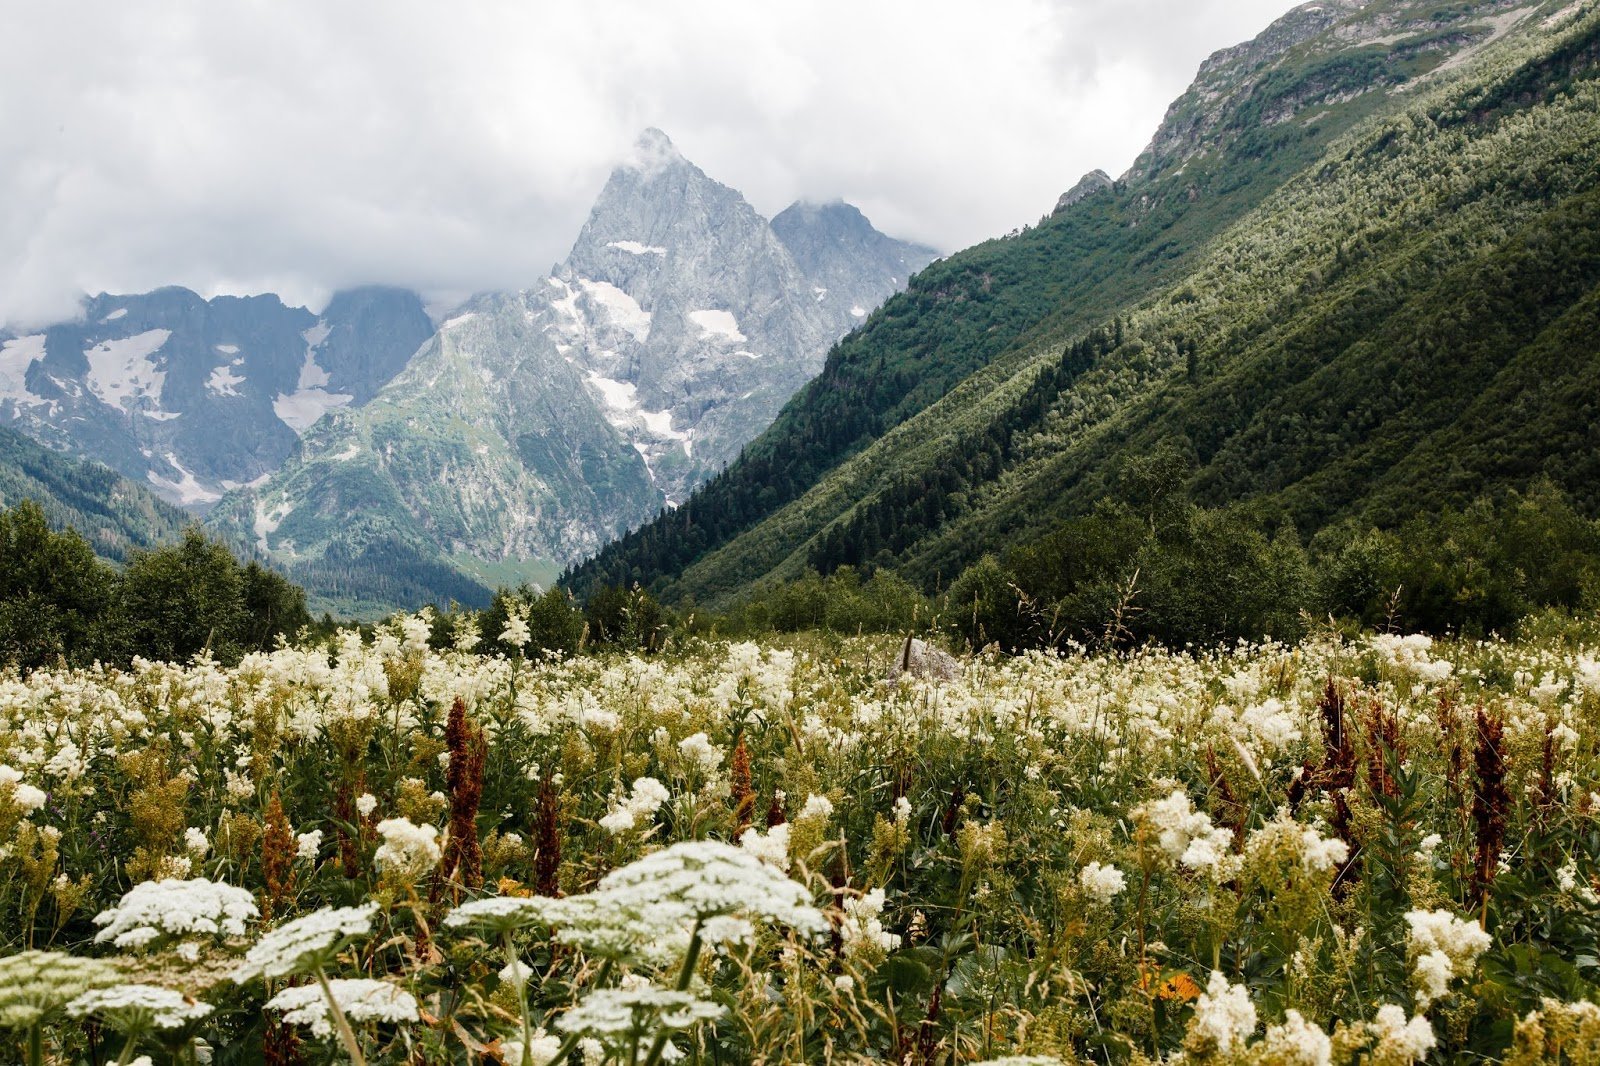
223,381
300,409
122,372
622,310
720,324
635,248
16,356
187,488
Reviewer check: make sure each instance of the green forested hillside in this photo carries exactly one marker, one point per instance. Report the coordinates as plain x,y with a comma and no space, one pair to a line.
113,514
1407,323
1258,115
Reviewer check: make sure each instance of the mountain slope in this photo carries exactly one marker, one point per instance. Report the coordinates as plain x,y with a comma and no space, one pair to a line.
536,426
194,397
1408,323
113,514
1258,115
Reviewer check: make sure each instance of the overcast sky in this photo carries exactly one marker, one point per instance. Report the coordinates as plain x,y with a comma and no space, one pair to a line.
300,146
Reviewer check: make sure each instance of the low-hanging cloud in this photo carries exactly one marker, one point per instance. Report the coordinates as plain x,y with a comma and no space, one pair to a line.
300,146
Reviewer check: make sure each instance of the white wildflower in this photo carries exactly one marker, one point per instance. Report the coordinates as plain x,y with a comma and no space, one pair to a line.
1223,1015
516,632
861,930
307,845
366,803
1442,947
643,800
195,842
154,910
361,999
771,847
1297,1043
1398,1037
817,807
408,850
306,943
25,796
136,1008
1185,834
699,750
1102,883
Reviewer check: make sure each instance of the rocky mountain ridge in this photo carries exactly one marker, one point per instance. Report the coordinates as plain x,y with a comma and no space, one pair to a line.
193,397
535,426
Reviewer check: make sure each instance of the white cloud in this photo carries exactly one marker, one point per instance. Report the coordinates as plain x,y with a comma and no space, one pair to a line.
299,146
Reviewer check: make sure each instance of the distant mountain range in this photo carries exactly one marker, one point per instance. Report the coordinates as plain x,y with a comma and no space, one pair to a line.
191,397
385,462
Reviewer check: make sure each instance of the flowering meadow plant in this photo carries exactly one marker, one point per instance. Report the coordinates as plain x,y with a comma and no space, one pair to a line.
381,849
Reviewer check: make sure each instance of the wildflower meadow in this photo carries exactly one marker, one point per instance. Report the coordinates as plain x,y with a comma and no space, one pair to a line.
374,849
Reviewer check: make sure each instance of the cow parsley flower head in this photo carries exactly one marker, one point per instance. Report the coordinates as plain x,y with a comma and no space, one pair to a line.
498,915
306,943
361,999
618,1014
1223,1015
648,909
156,911
136,1009
408,850
36,984
1442,947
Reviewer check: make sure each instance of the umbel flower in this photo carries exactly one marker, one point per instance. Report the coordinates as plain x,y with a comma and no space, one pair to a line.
361,999
36,984
137,1009
615,1014
157,910
307,943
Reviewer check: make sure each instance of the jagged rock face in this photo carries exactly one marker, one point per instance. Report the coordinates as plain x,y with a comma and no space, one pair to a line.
540,425
1096,181
194,397
851,266
1312,59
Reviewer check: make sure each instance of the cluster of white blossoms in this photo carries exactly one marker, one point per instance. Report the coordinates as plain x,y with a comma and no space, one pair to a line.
1399,1037
408,850
306,943
1223,1015
153,911
1296,1042
1442,947
27,797
771,847
642,801
612,1013
862,931
1185,834
516,633
1102,883
540,1050
1315,853
649,910
136,1008
701,753
1412,653
361,999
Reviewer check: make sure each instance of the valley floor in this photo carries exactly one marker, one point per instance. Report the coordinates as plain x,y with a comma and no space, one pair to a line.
1380,850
